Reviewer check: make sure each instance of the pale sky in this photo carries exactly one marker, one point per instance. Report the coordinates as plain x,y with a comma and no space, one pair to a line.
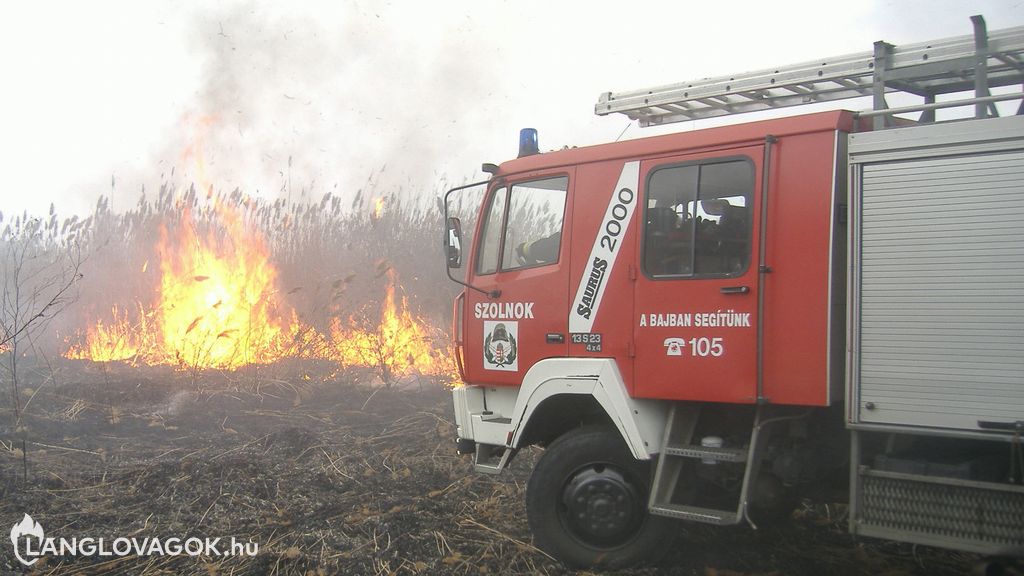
409,94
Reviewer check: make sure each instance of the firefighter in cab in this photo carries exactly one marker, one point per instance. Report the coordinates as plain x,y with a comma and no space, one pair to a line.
537,252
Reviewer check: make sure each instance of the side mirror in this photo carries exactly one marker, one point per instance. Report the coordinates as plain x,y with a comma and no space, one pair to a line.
454,242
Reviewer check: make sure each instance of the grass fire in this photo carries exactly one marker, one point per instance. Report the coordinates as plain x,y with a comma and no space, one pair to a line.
217,302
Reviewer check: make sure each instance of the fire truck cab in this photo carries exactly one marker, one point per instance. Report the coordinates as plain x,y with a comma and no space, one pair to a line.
695,325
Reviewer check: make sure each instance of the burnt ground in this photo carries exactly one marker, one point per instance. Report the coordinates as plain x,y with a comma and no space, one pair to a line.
328,473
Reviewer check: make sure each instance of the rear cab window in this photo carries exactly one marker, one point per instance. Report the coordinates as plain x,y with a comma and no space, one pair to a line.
698,220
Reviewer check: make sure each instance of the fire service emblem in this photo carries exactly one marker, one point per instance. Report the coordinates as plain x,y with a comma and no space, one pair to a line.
500,348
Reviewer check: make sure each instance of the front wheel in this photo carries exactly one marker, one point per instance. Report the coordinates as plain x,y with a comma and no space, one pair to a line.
587,502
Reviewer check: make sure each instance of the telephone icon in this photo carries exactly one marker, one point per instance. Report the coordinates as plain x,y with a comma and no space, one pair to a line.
674,346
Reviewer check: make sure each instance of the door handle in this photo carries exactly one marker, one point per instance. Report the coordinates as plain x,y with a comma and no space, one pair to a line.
735,289
555,338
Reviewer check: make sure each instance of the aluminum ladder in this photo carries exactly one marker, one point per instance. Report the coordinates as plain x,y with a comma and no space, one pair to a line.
975,62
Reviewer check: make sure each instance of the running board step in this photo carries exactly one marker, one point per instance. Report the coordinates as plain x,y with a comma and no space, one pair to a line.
697,514
490,459
708,454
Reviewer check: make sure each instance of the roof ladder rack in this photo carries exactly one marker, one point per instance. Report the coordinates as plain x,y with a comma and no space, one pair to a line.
976,62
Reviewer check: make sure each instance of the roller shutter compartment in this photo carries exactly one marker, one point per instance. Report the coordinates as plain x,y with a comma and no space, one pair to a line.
941,290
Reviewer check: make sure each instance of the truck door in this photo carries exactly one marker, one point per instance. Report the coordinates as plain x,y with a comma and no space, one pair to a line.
520,257
695,325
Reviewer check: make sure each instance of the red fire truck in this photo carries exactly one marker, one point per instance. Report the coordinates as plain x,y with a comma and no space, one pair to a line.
698,325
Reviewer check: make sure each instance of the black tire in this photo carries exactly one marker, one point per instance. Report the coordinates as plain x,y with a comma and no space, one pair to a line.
587,502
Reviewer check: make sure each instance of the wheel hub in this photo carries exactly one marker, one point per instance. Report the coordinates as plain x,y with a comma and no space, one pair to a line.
601,506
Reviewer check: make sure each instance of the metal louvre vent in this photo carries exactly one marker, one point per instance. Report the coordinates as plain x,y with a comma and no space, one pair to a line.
975,516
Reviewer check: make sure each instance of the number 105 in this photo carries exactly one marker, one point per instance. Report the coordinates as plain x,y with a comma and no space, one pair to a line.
706,347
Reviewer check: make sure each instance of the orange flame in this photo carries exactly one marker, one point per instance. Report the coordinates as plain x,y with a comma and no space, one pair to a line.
121,339
400,345
218,306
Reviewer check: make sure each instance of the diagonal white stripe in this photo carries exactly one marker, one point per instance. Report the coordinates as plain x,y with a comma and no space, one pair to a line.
607,244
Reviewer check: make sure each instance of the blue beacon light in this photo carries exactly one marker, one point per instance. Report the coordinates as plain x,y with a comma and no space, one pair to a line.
528,142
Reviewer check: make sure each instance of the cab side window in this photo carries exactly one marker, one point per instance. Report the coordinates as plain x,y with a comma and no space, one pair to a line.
523,225
698,219
536,212
490,243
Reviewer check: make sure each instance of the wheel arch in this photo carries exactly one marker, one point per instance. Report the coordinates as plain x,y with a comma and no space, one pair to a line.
559,414
586,388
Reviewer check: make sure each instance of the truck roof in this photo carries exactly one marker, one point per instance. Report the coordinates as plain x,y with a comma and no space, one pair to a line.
653,146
